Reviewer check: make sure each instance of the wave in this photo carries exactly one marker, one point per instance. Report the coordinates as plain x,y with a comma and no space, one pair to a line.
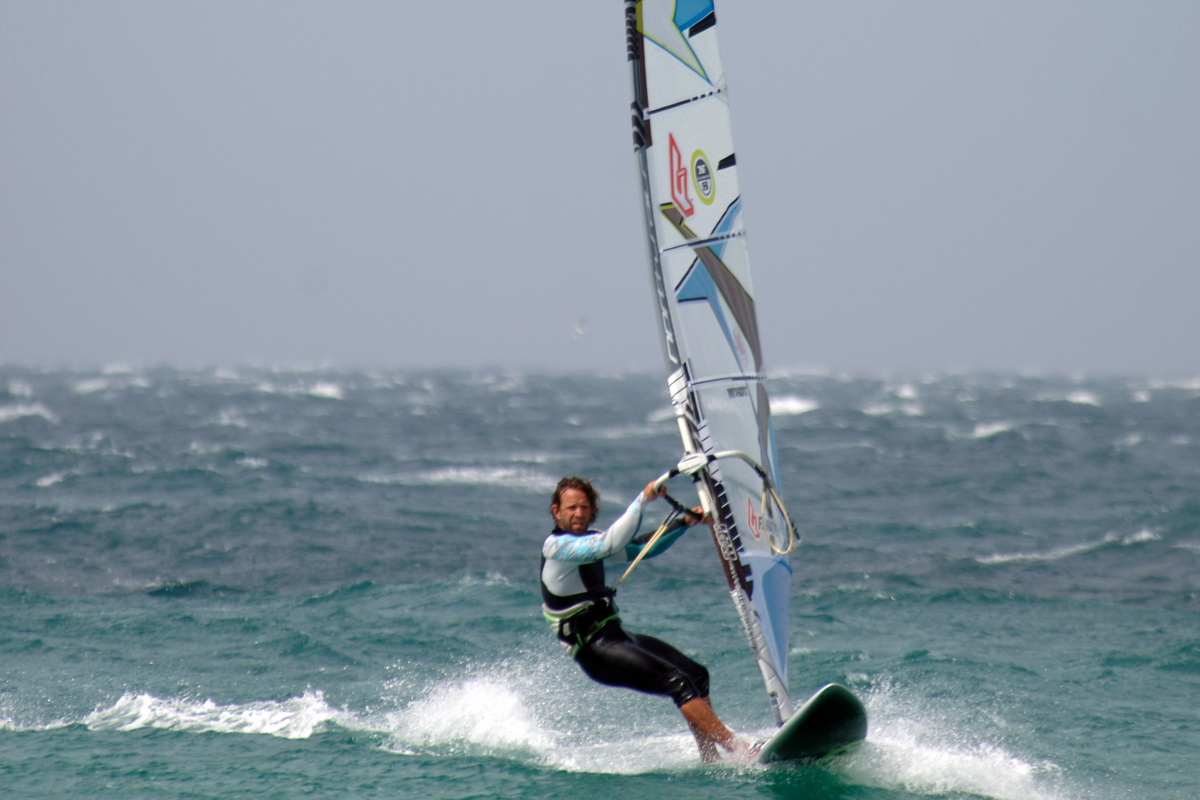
940,751
505,477
326,390
10,413
193,589
294,718
478,712
1078,397
513,711
20,388
986,430
54,478
1058,553
793,405
883,409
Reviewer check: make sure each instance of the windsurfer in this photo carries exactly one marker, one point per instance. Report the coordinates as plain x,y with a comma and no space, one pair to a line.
579,605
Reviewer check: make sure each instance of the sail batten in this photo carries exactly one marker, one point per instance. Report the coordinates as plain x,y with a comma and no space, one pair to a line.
701,279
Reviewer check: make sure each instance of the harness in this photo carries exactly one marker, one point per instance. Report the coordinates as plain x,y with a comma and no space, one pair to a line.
577,625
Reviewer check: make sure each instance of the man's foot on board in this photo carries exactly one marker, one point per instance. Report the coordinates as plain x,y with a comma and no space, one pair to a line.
745,751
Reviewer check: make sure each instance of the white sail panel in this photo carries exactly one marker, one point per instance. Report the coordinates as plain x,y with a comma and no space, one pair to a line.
684,63
692,168
701,277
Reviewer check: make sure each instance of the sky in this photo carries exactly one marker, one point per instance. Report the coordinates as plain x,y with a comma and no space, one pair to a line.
929,186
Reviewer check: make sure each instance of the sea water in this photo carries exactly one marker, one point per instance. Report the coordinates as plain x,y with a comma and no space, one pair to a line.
322,583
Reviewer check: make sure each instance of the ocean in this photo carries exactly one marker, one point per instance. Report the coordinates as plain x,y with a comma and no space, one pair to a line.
322,583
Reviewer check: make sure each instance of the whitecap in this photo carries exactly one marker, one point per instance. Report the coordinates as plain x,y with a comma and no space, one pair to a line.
478,712
9,413
927,751
1054,554
19,388
231,418
1066,551
1078,397
508,477
294,718
327,390
662,414
624,432
1143,535
792,405
489,579
1081,397
46,481
983,430
1190,384
91,385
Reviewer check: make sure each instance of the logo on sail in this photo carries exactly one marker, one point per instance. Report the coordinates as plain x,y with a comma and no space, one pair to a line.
760,525
703,178
679,179
698,175
753,518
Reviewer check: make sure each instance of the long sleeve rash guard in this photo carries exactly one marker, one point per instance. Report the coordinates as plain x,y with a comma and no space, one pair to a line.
573,564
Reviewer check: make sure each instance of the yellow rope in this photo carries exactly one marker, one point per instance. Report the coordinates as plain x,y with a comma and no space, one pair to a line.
642,553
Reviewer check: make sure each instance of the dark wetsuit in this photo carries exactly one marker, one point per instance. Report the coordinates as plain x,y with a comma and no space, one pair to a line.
579,605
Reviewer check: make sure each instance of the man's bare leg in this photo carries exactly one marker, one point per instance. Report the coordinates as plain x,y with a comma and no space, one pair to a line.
709,731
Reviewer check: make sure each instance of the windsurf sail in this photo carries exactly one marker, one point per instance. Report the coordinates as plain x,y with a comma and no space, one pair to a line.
701,277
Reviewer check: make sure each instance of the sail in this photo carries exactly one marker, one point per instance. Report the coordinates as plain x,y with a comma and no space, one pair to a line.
710,337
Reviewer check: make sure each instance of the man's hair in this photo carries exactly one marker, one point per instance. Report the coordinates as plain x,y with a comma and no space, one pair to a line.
583,485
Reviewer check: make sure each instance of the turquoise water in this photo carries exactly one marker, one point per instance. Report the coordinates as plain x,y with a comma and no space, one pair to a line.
323,584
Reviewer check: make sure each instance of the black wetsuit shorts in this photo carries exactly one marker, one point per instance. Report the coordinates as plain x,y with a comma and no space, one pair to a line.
617,658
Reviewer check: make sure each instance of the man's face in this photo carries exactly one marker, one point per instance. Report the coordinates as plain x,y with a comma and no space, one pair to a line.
573,512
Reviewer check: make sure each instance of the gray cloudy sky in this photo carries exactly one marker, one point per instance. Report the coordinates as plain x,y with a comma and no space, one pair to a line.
928,185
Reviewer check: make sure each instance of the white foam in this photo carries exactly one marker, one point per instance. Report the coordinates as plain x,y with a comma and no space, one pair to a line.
936,752
1079,397
883,409
488,579
1143,535
515,709
1191,384
327,390
508,477
19,388
477,713
231,418
1054,554
46,481
294,718
793,405
9,413
91,385
984,430
662,414
1066,551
